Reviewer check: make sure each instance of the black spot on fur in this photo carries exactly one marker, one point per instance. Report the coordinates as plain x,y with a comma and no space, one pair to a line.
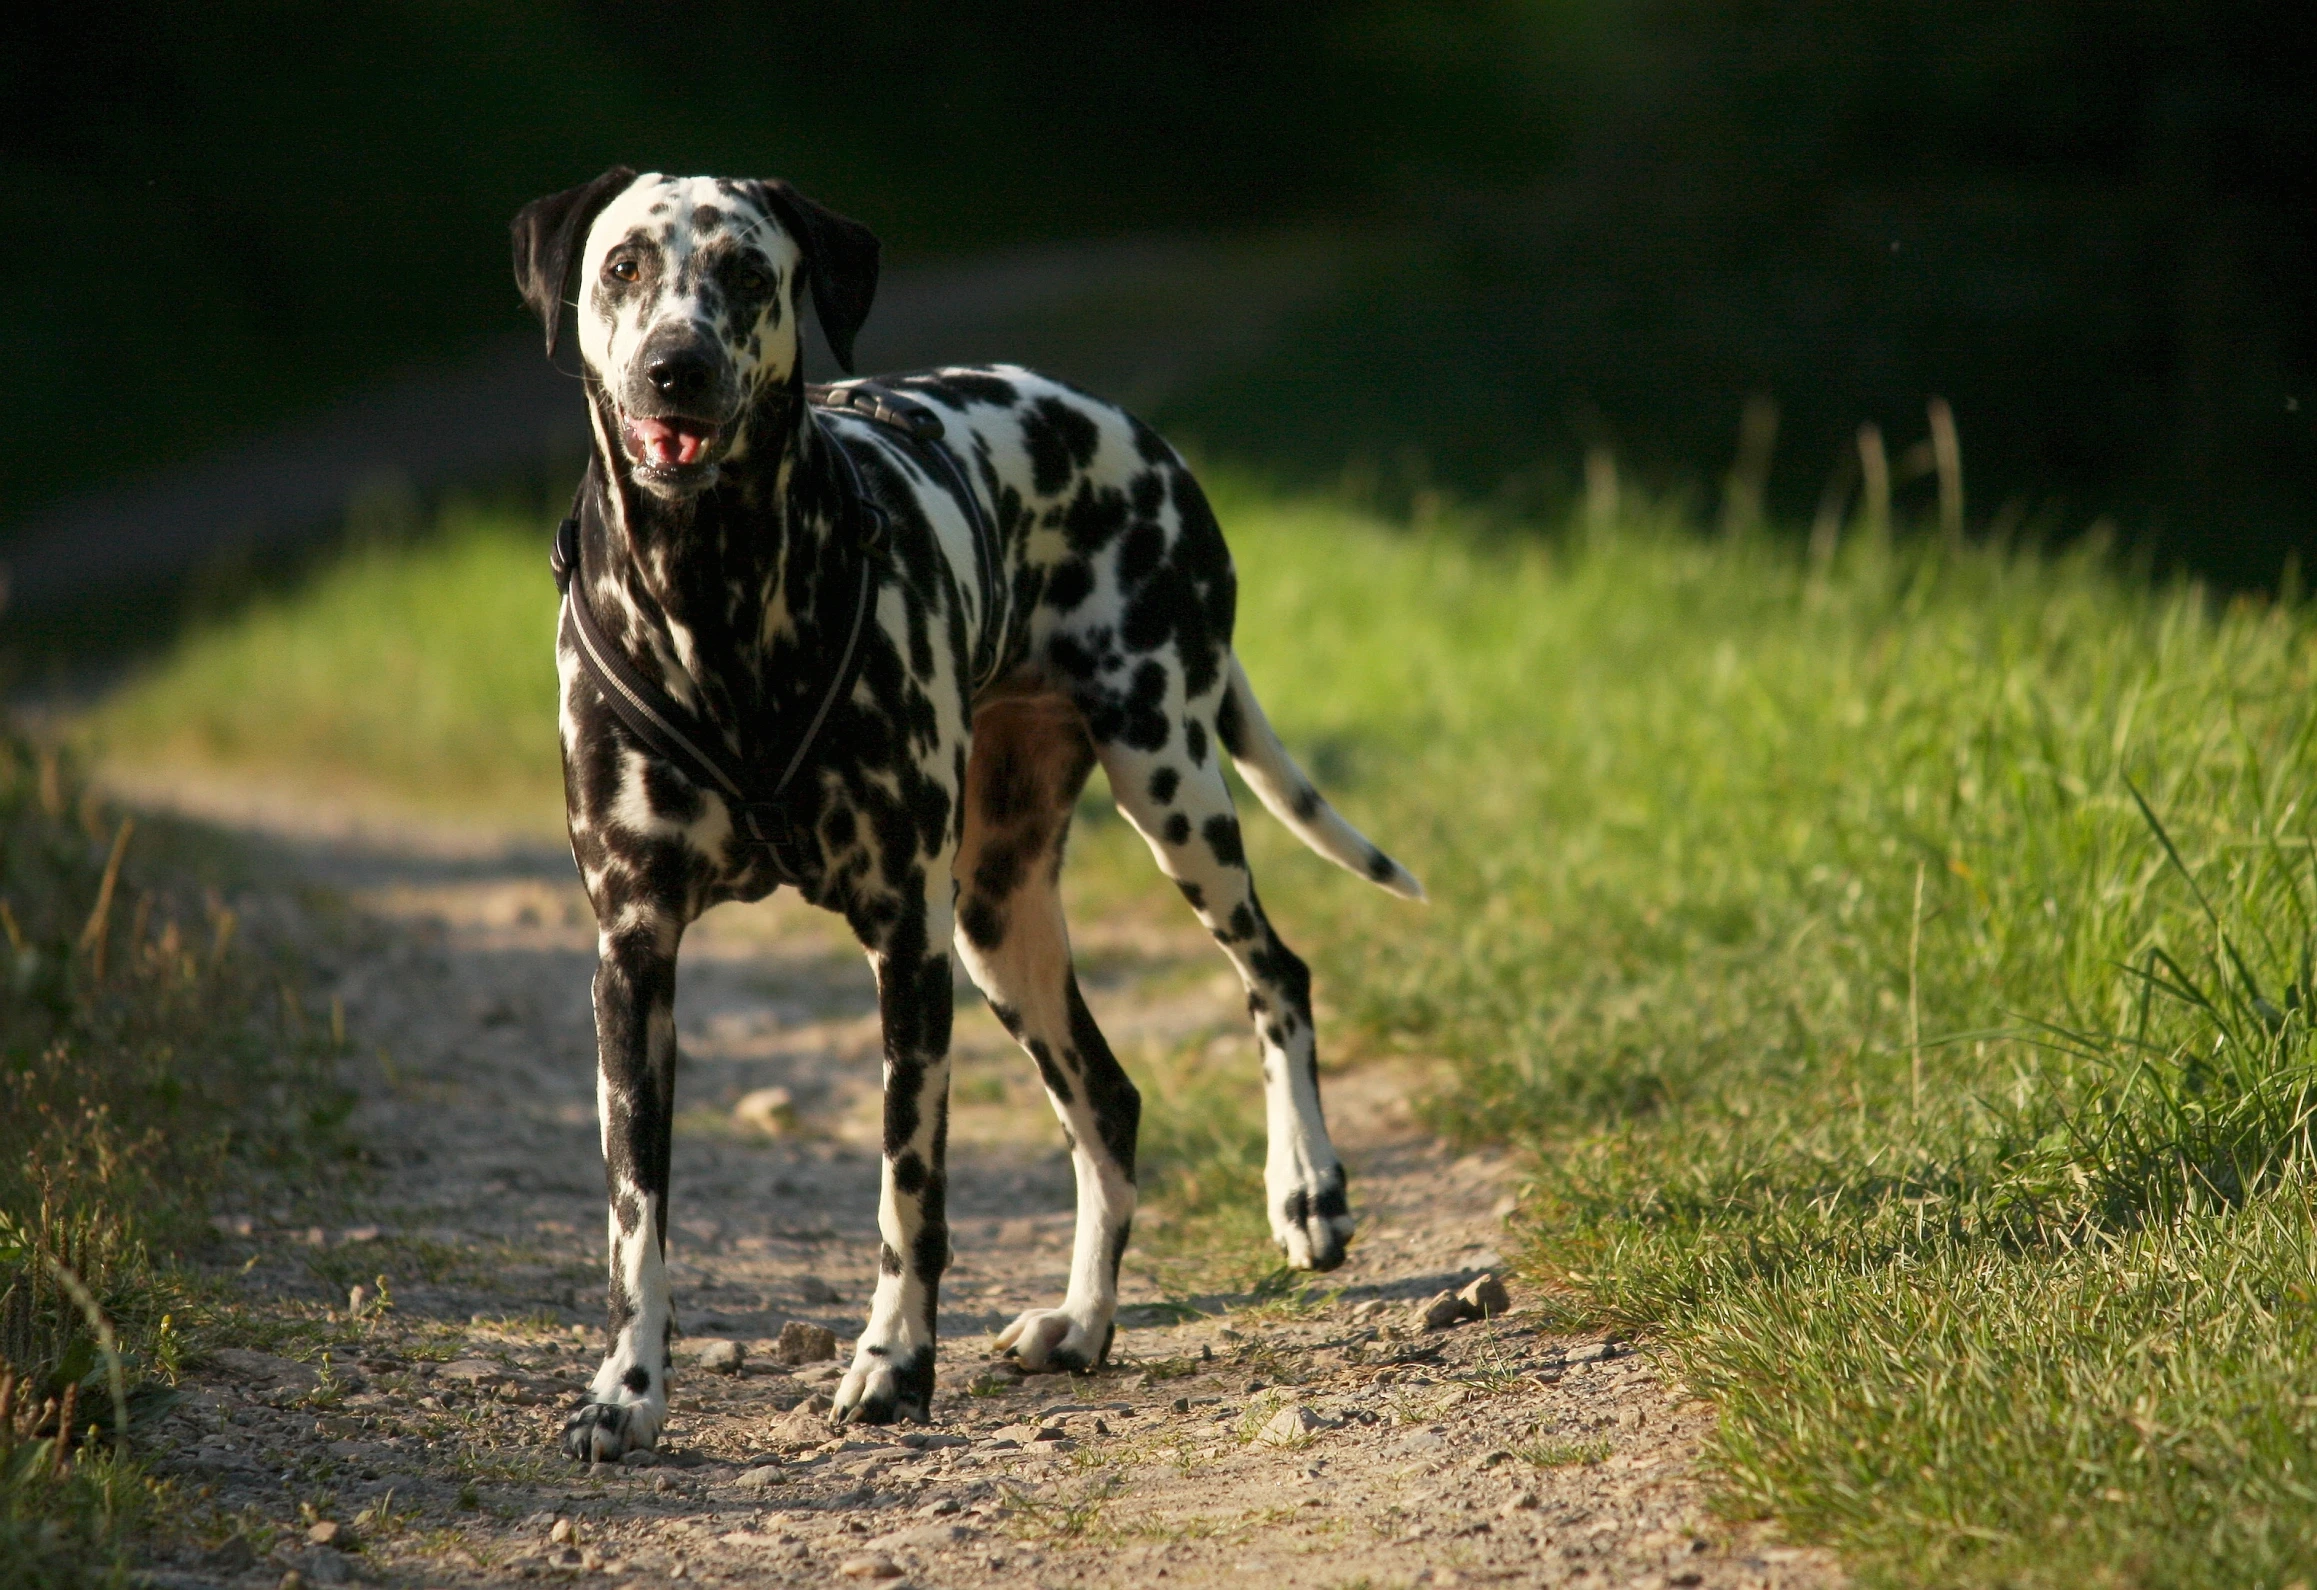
1048,1072
888,1261
1149,446
1242,921
1177,830
1228,726
1163,784
1070,583
1094,518
1281,967
1138,557
963,388
983,924
1380,866
1195,740
1307,803
1117,1106
1059,439
1194,894
909,1173
1222,831
637,1379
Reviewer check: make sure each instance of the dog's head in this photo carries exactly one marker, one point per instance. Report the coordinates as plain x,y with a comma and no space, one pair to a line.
688,292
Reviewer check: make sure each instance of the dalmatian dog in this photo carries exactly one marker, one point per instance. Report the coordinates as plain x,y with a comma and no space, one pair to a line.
718,555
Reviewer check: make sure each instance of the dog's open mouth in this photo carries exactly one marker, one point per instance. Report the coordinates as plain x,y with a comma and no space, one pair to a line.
672,443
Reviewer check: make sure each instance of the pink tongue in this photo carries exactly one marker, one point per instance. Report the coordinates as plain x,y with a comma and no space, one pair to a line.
665,445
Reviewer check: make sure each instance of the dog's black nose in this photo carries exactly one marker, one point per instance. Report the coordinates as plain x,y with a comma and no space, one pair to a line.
679,377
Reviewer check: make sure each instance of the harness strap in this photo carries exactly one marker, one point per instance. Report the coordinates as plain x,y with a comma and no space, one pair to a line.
921,427
677,734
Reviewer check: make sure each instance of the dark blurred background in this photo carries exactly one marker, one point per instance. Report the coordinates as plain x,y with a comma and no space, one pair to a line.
1451,246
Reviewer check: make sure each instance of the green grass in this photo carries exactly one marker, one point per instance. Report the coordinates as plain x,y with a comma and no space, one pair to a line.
1896,974
426,674
149,1058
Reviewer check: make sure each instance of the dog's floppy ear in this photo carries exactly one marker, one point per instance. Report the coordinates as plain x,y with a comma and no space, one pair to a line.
840,258
547,232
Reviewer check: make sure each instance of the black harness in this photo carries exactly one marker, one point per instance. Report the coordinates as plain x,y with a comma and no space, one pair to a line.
756,793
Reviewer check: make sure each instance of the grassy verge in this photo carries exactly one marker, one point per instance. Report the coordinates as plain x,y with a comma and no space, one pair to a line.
148,1057
1897,969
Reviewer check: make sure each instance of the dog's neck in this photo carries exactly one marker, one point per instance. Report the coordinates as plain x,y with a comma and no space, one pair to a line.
733,594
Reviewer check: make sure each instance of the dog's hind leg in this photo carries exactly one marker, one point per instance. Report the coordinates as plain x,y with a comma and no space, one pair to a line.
1030,758
635,1019
1178,799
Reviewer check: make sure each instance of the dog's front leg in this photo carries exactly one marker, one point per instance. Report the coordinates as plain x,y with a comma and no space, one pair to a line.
635,1023
892,1371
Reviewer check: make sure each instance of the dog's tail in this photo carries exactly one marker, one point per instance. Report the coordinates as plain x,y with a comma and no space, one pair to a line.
1272,774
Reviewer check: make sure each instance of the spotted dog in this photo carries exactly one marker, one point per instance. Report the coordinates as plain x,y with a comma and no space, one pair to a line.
718,554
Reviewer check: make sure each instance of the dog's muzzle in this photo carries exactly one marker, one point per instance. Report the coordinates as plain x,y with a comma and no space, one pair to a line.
676,428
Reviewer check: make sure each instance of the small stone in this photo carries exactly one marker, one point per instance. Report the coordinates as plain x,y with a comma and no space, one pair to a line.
361,1234
561,1532
1590,1353
329,1532
771,1111
806,1424
874,1567
761,1479
1446,1309
1181,1405
1369,1309
722,1358
1523,1503
663,1482
1486,1297
1292,1424
805,1344
643,1457
293,1580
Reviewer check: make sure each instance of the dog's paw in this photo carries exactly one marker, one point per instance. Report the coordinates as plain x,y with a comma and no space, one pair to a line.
604,1432
1313,1226
877,1390
1053,1340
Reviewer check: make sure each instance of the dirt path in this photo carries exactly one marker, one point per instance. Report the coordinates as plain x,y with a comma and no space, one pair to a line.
1324,1444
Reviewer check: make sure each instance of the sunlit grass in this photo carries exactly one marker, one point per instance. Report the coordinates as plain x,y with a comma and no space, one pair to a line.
1895,971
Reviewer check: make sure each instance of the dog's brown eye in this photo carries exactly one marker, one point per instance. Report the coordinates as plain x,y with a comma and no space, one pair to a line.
753,280
624,269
